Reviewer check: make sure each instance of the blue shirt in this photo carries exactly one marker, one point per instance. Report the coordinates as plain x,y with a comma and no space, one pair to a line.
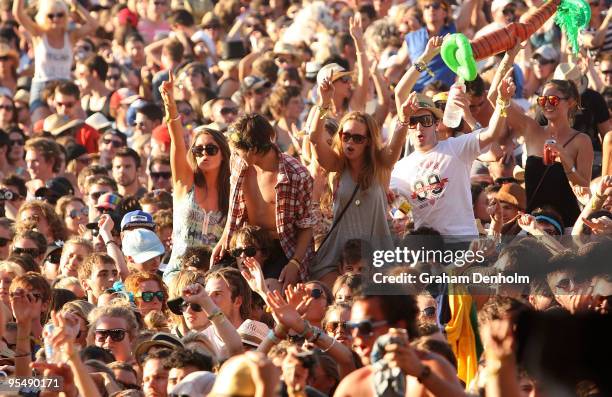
416,42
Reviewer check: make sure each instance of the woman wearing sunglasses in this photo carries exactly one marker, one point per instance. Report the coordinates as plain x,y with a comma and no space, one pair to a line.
558,156
200,182
74,212
149,292
52,42
362,165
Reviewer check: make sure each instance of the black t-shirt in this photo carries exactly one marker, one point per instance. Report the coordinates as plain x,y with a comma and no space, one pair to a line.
594,111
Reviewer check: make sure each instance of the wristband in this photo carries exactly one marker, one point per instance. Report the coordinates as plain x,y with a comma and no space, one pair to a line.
403,123
215,314
571,171
323,111
316,334
296,263
422,67
170,120
425,372
110,242
272,336
307,329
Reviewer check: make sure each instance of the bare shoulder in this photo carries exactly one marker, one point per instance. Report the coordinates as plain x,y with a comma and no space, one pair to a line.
356,384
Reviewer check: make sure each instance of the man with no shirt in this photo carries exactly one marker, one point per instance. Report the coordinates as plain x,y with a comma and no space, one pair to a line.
271,190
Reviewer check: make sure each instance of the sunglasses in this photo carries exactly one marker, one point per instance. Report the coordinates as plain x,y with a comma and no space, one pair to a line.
115,143
228,110
96,195
73,214
210,150
30,251
149,296
435,6
543,62
282,60
35,295
553,100
113,77
364,328
4,241
356,138
4,58
161,175
186,111
316,293
333,326
426,120
116,335
57,15
249,252
429,311
18,142
140,124
194,306
6,107
606,72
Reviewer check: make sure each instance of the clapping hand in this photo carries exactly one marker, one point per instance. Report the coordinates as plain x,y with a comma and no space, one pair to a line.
254,276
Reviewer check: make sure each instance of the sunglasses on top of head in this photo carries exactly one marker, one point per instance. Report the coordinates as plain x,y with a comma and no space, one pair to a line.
553,100
210,150
356,138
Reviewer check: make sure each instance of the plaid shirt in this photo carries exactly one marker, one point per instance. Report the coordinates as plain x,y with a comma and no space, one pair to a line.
293,197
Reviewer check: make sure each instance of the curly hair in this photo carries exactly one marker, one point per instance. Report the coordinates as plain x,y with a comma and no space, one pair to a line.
132,284
56,224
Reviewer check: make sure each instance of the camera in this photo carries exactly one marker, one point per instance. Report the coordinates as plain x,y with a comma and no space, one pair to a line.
6,194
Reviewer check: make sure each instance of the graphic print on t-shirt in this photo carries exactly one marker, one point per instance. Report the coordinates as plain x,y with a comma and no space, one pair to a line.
428,185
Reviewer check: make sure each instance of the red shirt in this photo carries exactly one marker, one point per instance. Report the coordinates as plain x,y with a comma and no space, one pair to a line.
88,136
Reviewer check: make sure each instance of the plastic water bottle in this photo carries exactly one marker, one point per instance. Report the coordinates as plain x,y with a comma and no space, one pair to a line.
452,112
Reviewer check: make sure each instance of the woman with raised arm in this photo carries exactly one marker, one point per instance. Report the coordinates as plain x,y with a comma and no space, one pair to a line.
570,152
200,182
52,41
362,167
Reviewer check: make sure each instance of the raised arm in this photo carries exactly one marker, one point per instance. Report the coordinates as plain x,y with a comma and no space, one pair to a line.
393,150
408,80
182,174
497,124
517,119
22,17
112,248
89,24
323,153
383,94
362,89
195,293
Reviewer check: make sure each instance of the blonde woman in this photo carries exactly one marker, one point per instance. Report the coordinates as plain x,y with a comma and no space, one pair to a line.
52,42
362,166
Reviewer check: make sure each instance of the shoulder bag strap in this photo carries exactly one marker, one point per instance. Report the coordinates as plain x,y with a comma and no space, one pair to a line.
340,216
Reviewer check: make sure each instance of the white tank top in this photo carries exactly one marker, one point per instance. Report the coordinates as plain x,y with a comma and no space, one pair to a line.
52,63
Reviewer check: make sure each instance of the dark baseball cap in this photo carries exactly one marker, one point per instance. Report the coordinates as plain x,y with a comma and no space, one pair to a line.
54,189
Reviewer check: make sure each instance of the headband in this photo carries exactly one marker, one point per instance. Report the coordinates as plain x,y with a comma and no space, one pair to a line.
551,221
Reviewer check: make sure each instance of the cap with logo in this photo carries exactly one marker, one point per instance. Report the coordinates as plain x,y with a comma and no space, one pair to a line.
137,219
252,332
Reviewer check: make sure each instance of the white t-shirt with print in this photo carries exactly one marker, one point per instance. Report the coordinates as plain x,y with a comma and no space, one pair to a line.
437,185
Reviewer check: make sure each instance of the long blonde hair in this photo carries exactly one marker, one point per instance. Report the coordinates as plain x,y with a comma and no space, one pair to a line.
374,169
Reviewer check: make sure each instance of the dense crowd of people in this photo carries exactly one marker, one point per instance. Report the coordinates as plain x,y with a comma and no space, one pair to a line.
199,197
